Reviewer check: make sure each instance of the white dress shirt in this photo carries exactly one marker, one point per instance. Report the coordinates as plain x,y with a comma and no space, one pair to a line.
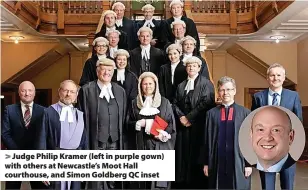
270,96
23,108
66,111
145,51
173,67
186,56
112,50
149,23
274,168
119,23
105,90
177,18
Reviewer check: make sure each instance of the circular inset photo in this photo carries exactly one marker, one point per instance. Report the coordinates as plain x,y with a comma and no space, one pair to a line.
272,138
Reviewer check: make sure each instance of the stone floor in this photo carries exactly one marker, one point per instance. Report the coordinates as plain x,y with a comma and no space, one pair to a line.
301,179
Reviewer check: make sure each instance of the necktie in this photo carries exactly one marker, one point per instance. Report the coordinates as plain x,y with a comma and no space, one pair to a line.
275,99
27,116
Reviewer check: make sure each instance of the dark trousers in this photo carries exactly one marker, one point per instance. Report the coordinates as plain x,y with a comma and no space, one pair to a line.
17,184
268,179
104,185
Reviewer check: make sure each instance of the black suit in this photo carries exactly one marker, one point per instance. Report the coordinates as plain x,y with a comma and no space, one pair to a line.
123,43
130,29
191,30
157,59
15,136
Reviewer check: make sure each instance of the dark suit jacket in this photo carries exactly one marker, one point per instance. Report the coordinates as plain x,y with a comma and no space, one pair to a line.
191,29
157,59
15,136
289,99
130,29
123,43
289,162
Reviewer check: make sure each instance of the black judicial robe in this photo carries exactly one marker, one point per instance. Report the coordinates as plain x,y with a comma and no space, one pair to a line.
209,154
156,30
49,139
166,88
130,29
89,70
130,84
191,30
142,141
157,59
88,97
189,139
123,42
204,71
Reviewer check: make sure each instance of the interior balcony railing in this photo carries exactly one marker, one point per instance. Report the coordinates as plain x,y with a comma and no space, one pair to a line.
82,17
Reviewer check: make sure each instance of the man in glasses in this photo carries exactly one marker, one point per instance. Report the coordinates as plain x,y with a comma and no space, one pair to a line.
223,162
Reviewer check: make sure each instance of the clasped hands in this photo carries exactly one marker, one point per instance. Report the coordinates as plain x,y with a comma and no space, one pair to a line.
185,121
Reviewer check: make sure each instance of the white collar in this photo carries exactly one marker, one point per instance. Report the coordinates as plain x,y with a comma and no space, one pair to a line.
147,108
193,77
23,104
145,51
66,111
191,83
271,92
188,55
113,48
105,90
121,75
110,28
149,22
101,56
177,18
229,104
119,23
147,47
173,65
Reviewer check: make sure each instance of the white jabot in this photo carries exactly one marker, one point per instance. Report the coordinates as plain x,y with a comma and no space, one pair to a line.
111,28
178,41
112,50
147,109
105,90
101,56
119,23
23,108
186,56
145,51
66,111
173,66
190,84
149,23
121,75
177,18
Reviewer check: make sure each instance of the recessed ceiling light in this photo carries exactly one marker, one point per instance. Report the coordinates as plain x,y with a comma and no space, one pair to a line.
277,38
16,38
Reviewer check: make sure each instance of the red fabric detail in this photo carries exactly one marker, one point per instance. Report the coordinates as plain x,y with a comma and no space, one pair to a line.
230,115
223,114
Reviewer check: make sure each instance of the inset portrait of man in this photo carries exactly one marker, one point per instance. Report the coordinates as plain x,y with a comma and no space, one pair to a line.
271,137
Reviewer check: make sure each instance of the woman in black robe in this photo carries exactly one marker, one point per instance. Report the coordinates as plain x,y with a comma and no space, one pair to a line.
146,109
193,98
123,76
189,49
172,73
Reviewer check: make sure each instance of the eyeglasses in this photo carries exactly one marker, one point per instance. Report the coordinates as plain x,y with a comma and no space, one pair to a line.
101,46
226,90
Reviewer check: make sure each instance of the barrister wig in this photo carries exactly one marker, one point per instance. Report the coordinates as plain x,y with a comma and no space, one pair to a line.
118,4
180,22
145,29
148,7
156,98
175,2
105,61
121,52
100,39
112,31
193,59
174,46
109,12
188,38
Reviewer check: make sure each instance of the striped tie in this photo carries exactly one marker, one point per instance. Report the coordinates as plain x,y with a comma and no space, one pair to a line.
275,99
27,116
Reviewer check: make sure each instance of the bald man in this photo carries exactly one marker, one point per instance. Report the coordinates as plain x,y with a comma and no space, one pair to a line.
20,124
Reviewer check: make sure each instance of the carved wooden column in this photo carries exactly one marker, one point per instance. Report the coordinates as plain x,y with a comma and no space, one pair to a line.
60,19
233,18
106,5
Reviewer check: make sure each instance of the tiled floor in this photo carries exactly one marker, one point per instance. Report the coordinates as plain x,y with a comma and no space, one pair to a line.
301,179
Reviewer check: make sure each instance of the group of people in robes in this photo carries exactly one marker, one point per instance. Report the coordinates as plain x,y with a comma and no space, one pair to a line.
151,94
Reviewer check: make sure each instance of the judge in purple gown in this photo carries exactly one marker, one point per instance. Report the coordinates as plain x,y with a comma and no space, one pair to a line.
100,46
223,162
172,73
63,128
189,49
193,97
